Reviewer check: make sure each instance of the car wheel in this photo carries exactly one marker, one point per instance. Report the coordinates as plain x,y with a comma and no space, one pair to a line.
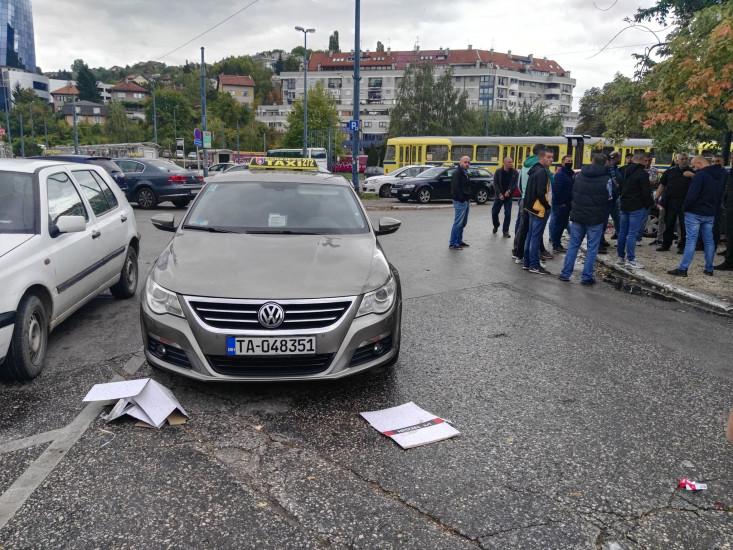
181,203
423,195
127,285
384,191
145,198
29,342
482,196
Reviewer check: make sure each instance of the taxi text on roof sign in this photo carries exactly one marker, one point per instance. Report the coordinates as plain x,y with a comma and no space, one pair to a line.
281,163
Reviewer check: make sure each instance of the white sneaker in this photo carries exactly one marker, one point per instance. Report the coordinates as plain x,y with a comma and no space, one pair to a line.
633,265
518,260
621,262
543,265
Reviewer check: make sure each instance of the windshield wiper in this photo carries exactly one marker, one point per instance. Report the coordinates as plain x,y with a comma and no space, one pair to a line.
280,232
210,229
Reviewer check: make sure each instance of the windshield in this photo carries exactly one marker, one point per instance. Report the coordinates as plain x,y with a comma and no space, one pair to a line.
110,166
166,165
17,205
273,207
431,172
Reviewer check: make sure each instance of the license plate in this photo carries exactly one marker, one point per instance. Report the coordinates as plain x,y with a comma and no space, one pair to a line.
237,345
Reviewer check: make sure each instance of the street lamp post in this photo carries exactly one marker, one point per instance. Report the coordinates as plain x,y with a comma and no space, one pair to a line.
305,87
155,117
357,103
76,127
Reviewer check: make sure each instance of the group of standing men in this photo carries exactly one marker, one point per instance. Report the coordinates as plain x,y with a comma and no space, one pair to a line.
689,197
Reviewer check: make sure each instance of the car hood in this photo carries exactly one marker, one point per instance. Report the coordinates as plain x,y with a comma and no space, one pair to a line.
11,241
228,265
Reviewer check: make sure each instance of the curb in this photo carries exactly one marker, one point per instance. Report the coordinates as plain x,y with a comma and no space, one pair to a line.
680,293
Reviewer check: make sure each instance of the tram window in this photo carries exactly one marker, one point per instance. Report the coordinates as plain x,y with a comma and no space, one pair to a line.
437,153
458,151
662,158
487,153
390,153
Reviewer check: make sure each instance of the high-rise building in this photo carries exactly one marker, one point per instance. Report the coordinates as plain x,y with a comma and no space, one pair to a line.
17,44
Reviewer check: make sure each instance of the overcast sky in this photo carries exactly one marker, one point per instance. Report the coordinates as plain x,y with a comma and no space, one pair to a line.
120,33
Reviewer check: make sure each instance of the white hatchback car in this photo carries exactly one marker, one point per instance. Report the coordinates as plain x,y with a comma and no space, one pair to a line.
67,233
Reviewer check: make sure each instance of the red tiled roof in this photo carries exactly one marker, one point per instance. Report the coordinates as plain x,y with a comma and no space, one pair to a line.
236,80
128,87
400,60
69,89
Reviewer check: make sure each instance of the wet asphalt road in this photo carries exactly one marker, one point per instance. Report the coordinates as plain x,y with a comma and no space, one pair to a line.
579,408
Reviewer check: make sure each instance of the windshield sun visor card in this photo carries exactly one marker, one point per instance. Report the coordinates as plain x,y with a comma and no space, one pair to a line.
277,220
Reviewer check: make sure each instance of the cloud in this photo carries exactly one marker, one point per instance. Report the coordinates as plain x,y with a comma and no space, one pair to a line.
569,31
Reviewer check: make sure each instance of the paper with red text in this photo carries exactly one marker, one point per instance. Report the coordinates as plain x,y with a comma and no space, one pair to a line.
410,426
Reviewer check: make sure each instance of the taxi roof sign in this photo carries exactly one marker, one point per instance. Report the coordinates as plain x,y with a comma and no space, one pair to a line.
283,163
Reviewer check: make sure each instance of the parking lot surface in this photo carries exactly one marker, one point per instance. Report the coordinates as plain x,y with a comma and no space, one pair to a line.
579,408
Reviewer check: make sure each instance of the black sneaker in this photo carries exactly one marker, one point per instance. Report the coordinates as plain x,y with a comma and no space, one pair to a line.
709,273
563,279
539,270
496,229
464,245
588,282
455,247
678,272
507,236
559,249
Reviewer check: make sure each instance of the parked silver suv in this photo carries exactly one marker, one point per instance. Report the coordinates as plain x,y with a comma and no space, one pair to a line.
273,275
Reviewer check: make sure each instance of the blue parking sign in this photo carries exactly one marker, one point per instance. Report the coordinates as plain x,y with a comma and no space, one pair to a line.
353,125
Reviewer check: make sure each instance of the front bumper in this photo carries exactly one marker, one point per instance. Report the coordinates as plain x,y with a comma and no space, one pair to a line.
194,350
401,193
7,325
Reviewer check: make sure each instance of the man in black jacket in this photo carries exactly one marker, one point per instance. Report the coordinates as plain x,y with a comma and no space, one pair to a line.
538,208
506,180
727,264
636,200
702,204
460,187
672,189
588,214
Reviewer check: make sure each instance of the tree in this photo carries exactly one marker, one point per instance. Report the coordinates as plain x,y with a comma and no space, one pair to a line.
690,93
120,129
245,65
167,103
527,120
322,115
380,46
333,42
86,82
615,111
682,11
590,116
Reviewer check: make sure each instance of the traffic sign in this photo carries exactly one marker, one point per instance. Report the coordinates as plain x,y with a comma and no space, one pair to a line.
198,137
207,140
353,125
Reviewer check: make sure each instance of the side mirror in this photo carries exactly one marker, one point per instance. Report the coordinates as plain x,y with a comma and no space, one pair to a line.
164,222
387,226
70,224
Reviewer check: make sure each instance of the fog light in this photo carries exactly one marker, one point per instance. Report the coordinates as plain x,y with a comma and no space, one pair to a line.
161,349
378,348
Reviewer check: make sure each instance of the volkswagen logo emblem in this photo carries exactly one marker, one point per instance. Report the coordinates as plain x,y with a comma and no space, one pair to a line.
271,315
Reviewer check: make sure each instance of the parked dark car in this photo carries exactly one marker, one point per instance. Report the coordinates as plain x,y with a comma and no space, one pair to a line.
434,184
151,181
110,166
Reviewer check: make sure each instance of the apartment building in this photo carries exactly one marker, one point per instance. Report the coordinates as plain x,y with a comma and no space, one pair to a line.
492,80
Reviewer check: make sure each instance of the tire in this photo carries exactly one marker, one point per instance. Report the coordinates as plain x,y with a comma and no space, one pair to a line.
384,191
181,203
127,285
29,343
145,198
482,196
424,195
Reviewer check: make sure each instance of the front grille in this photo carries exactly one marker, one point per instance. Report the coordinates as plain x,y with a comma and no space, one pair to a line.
270,366
367,353
242,315
171,354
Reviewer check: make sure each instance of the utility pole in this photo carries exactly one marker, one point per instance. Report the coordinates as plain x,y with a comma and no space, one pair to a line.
237,137
76,128
357,107
22,138
203,110
305,87
155,117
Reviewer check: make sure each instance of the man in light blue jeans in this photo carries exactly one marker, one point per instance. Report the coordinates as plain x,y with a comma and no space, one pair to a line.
578,232
461,193
702,204
626,245
459,223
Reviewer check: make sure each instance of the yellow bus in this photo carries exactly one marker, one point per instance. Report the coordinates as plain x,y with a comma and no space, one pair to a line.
490,151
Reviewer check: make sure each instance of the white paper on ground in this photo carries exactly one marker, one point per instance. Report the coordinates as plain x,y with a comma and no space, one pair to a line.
409,425
144,399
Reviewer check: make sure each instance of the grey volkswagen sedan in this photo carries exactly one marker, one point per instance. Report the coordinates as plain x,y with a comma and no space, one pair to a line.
273,275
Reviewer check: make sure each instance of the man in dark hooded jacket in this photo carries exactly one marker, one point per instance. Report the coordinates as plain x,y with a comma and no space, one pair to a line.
538,208
588,216
636,199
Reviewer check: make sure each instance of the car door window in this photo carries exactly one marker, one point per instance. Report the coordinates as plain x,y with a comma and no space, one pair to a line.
63,198
108,193
93,192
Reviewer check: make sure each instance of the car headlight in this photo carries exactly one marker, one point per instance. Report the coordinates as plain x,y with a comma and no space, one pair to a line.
380,300
408,186
160,300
